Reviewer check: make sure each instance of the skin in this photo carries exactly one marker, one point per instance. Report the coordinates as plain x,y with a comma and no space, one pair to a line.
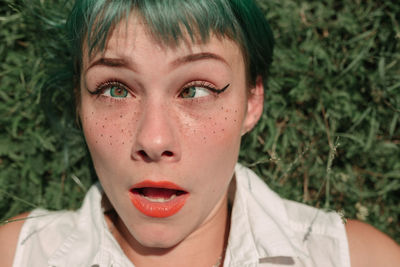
157,133
370,247
9,237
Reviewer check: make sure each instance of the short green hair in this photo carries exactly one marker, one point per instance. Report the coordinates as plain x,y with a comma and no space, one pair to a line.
170,21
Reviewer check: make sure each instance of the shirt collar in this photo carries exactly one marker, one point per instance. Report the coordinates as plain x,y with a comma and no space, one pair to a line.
90,243
260,230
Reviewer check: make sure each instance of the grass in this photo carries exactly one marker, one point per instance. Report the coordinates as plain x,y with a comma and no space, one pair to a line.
329,136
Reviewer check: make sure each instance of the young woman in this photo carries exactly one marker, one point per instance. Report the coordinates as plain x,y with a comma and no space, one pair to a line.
165,90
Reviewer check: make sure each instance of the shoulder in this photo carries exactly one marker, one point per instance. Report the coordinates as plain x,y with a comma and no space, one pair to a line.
314,236
370,247
40,232
9,234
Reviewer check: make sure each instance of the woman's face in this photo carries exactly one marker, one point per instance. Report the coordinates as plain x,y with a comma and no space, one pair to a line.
163,126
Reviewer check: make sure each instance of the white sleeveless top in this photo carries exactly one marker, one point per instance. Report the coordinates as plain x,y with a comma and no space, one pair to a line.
266,230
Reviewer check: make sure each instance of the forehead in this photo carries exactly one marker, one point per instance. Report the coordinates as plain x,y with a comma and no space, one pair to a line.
132,38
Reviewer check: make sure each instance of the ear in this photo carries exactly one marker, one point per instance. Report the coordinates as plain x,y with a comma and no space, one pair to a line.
255,104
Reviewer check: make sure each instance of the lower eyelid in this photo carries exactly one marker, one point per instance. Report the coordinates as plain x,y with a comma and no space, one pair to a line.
104,98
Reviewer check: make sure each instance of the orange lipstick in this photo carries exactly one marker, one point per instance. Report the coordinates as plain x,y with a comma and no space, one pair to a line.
158,199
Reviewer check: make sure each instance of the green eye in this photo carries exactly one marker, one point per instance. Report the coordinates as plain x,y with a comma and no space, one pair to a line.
118,92
112,89
194,92
189,92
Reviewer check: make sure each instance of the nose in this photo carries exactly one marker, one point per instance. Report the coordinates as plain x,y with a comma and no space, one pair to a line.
155,137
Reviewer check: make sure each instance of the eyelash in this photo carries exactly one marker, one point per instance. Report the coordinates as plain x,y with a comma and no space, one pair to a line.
107,84
205,85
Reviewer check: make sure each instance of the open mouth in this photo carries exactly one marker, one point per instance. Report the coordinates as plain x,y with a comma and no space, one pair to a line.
158,195
158,199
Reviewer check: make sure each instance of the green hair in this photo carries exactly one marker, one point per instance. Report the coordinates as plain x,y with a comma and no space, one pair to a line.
169,21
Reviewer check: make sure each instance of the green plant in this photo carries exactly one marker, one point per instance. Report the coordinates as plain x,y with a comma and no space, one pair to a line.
329,136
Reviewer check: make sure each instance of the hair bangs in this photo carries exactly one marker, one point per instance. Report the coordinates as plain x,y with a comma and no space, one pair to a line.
169,21
104,15
172,21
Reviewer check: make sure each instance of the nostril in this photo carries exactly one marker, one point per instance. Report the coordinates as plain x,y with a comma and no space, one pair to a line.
143,154
167,153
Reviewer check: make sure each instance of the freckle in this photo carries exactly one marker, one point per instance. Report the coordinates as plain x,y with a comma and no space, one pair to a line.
235,120
103,126
204,138
120,116
222,108
96,142
223,130
213,132
209,118
235,110
226,118
123,143
101,135
105,118
96,123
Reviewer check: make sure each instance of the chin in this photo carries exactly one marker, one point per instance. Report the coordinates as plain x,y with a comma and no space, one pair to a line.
157,244
161,238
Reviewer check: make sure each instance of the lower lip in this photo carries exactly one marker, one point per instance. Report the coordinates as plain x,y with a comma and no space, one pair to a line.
158,209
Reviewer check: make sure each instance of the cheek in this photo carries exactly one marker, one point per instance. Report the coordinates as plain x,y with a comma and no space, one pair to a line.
224,124
108,130
216,135
212,149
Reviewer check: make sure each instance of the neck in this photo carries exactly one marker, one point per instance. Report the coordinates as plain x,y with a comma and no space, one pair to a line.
203,247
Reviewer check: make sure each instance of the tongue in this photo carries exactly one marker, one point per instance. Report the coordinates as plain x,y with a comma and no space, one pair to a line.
158,192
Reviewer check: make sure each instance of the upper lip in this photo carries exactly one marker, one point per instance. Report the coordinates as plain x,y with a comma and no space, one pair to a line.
158,184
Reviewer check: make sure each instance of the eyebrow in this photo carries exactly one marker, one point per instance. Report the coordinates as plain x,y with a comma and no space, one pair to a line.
112,62
122,63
